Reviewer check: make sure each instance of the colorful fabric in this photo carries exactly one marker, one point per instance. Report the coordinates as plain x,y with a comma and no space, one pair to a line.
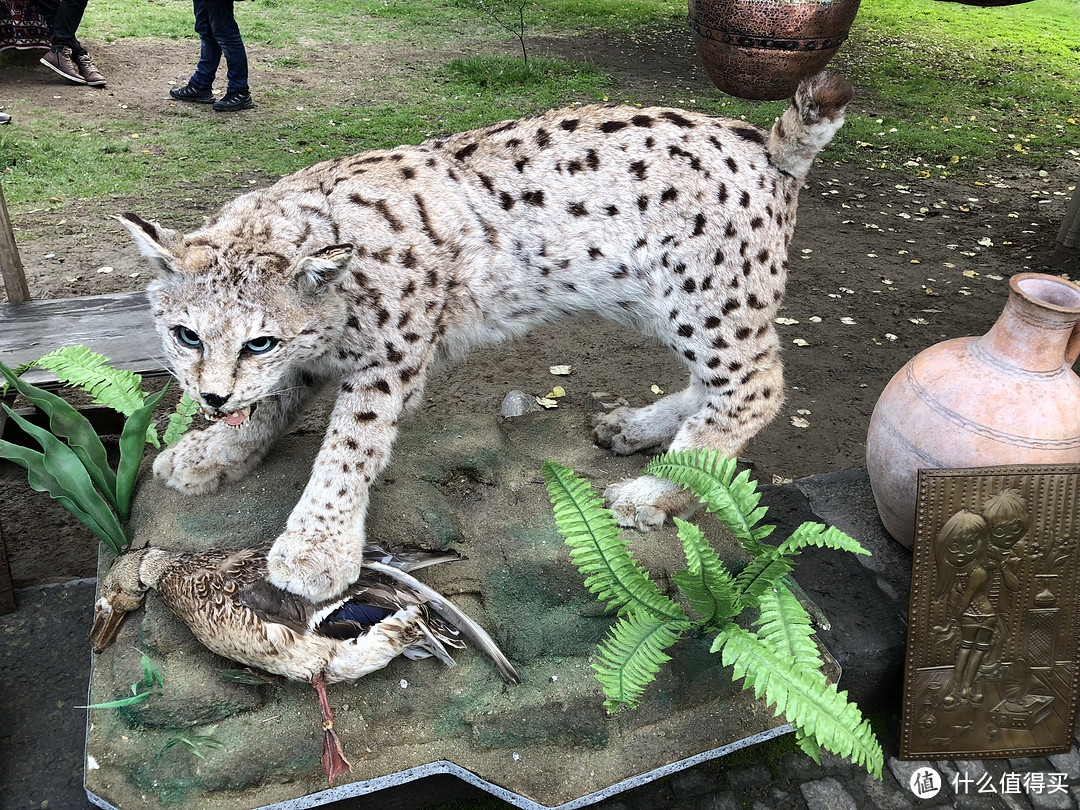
22,26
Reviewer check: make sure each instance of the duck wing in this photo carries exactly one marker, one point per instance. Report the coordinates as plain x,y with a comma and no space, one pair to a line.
408,559
453,616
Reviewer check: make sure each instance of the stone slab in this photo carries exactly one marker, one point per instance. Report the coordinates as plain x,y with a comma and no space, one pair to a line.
473,484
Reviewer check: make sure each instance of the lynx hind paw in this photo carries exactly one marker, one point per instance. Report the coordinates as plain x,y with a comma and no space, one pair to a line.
624,431
608,426
645,503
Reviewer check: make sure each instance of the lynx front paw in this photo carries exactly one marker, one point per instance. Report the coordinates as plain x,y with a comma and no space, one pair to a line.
645,503
201,462
620,432
317,568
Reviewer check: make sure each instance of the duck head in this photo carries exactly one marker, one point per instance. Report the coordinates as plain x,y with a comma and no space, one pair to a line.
123,589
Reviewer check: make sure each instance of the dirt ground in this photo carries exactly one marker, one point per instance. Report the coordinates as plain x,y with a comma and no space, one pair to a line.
883,265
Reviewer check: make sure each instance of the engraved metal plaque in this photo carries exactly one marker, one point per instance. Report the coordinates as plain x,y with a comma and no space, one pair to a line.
992,649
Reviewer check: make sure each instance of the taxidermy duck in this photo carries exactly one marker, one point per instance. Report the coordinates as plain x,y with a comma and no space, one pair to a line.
224,597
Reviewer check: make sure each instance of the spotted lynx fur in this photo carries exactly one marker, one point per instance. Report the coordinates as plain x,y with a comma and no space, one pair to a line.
368,269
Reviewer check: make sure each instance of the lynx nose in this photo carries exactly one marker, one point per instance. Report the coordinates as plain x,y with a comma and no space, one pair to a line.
215,400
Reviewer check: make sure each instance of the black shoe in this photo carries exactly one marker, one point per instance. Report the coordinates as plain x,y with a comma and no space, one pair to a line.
189,93
231,102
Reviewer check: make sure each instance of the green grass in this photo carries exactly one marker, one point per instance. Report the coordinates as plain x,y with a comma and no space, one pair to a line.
942,88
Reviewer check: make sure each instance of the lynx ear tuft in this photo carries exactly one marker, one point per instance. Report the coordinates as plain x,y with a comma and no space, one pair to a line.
155,243
316,272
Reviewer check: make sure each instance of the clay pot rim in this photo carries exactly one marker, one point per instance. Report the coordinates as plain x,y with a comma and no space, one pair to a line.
1015,285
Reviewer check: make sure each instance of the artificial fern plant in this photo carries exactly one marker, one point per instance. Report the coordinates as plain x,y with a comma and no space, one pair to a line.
777,656
72,464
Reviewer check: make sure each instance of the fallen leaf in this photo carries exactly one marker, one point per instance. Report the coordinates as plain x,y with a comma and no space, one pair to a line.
544,402
559,371
890,336
786,321
557,392
800,342
848,321
656,389
799,422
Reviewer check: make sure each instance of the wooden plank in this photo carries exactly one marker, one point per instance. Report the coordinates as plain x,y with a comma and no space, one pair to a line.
10,264
118,326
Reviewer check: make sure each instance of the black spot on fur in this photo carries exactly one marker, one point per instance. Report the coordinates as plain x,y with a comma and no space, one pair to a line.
569,124
595,253
714,362
578,209
686,330
612,126
392,354
642,203
465,151
744,199
743,332
669,194
592,160
730,231
382,386
408,173
750,134
543,138
521,163
731,305
408,289
756,223
574,166
611,211
699,225
365,416
638,168
720,343
407,258
506,200
689,285
677,119
712,322
689,355
642,121
381,317
732,165
718,259
535,198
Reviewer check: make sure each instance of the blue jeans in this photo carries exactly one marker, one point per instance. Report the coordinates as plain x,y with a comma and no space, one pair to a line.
217,28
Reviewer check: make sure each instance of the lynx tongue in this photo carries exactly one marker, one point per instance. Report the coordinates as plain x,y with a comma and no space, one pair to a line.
237,418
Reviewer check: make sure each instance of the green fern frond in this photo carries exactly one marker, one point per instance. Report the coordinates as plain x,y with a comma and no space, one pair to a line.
78,366
631,655
822,536
762,573
598,550
784,625
711,477
706,582
809,745
179,420
806,699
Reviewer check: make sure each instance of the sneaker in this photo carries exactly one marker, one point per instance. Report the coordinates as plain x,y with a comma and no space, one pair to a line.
60,62
5,118
231,102
189,93
87,70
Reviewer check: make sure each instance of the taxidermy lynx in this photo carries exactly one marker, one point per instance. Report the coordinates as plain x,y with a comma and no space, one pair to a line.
368,269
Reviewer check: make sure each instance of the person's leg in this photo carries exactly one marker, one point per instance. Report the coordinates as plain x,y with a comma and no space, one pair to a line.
65,22
227,35
210,53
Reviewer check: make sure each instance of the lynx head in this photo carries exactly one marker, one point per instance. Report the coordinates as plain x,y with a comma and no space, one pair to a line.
240,316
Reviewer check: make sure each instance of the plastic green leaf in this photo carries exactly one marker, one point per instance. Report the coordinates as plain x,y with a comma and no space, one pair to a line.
706,582
803,695
784,625
598,550
631,655
179,420
822,536
70,425
129,701
107,385
58,471
41,480
711,477
132,447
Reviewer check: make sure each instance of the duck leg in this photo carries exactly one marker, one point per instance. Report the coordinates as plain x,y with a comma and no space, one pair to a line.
333,758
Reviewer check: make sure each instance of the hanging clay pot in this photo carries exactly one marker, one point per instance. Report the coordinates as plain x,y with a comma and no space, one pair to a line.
761,49
1008,397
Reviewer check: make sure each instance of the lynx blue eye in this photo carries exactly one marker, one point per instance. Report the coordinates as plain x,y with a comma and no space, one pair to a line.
187,338
260,345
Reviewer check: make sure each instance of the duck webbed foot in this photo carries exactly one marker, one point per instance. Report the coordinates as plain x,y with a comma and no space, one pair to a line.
333,759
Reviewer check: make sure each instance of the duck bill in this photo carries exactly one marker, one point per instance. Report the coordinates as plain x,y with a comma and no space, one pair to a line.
107,620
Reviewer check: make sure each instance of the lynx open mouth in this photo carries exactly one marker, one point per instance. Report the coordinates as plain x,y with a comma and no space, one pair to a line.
235,418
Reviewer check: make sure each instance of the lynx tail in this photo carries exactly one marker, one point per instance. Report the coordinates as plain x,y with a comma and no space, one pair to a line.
815,114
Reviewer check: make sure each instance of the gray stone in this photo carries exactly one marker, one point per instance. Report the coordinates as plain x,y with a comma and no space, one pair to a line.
517,403
827,794
902,770
1067,763
1056,800
727,800
748,777
886,796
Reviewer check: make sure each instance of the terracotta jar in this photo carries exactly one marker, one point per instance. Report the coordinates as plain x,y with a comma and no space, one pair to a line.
760,49
1008,397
